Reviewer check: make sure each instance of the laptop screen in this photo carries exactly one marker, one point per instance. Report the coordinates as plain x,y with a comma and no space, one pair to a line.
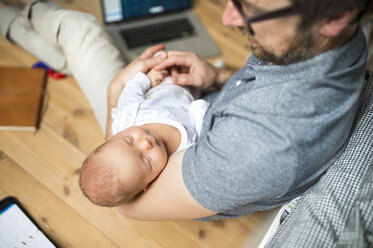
118,10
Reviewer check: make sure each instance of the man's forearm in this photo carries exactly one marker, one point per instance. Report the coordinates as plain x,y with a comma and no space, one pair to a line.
167,198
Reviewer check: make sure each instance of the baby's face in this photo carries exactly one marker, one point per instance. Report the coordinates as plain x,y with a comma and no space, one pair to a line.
141,155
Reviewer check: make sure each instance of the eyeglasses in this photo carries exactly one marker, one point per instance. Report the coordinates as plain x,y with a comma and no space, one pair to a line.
266,16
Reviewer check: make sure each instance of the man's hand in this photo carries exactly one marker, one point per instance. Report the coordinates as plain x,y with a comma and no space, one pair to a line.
187,68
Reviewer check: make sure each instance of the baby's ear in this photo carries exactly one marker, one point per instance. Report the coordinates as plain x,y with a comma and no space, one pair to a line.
147,187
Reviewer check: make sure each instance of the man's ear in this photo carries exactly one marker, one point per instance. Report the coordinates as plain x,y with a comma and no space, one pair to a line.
335,25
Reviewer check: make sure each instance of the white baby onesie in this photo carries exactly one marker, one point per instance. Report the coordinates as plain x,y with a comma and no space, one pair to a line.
166,103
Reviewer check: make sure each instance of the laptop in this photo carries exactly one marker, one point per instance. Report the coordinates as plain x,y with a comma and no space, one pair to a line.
135,25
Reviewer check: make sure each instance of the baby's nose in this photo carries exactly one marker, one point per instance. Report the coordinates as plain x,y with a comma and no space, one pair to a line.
146,144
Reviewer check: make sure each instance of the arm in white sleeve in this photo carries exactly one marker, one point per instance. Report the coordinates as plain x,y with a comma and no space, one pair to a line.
134,91
131,97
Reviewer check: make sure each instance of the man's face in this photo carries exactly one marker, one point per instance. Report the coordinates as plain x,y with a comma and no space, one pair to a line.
276,40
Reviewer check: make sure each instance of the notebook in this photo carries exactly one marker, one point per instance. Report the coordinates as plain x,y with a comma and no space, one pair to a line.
22,92
135,25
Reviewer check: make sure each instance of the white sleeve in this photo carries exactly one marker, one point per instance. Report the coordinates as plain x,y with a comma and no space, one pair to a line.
132,96
135,89
197,111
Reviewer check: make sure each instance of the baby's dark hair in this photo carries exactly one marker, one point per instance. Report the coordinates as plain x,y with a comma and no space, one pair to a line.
99,181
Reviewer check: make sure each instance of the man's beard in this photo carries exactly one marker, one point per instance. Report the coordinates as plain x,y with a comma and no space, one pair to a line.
300,48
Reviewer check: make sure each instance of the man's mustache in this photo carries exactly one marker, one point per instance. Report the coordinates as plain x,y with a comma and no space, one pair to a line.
246,33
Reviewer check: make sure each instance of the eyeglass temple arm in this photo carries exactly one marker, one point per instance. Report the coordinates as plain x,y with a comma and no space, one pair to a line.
282,12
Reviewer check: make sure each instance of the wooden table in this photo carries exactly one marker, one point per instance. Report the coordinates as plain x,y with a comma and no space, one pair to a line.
41,169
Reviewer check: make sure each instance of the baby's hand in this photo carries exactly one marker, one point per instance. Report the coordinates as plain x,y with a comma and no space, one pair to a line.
156,77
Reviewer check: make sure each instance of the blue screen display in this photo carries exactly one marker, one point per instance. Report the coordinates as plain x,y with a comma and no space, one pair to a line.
137,8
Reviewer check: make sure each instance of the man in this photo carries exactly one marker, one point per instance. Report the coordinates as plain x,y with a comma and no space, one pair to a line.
271,131
277,124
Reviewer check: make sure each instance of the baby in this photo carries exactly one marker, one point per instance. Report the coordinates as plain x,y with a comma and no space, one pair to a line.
149,124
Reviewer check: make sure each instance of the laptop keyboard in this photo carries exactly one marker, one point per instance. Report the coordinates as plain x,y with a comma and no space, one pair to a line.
155,33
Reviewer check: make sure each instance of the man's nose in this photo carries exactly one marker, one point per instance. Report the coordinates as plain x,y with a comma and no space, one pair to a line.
231,16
